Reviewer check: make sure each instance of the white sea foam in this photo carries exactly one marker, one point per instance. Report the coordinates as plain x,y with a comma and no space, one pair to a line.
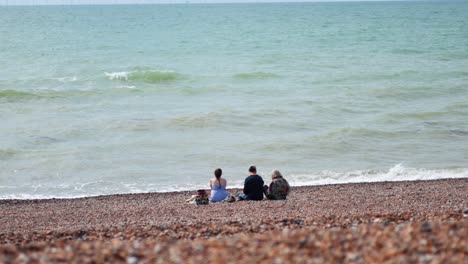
144,75
396,173
117,75
127,86
67,79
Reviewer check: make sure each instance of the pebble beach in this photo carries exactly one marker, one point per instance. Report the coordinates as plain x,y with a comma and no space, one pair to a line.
114,112
386,222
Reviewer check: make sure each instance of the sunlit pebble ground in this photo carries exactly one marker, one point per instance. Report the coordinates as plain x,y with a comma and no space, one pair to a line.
421,221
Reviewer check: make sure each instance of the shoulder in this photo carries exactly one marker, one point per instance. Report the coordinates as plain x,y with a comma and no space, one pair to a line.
281,179
257,178
250,179
283,182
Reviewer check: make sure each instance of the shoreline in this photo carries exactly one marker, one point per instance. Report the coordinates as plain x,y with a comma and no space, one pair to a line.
357,222
422,197
230,190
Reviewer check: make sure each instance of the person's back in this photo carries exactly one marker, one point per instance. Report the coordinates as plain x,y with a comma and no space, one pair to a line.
279,189
253,185
218,187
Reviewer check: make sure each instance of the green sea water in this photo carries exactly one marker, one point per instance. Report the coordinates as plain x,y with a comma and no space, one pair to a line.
136,98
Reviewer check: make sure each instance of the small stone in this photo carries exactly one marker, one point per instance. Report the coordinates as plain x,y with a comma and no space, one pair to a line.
23,258
426,227
132,260
352,256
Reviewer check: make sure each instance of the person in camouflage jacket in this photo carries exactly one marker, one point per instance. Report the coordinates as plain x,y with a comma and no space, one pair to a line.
279,188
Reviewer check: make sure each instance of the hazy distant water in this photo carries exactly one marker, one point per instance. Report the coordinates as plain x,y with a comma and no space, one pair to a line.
112,99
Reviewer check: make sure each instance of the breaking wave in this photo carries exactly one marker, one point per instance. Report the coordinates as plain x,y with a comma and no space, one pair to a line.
148,76
396,173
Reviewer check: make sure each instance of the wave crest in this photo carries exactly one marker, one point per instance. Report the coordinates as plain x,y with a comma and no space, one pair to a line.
14,95
255,75
148,76
395,173
6,153
358,133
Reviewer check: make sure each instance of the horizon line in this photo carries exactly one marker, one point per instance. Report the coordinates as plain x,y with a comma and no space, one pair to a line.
182,2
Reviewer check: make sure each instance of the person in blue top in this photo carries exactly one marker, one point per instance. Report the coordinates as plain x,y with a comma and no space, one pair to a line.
218,187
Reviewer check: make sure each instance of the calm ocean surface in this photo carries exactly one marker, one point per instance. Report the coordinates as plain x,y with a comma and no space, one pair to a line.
136,98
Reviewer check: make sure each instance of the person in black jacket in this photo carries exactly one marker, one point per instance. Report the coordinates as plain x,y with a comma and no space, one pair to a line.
253,186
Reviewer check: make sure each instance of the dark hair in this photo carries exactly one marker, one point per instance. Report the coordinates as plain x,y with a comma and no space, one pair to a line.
253,169
218,172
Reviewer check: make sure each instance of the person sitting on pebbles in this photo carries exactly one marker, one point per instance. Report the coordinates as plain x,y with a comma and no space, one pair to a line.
279,187
253,186
218,187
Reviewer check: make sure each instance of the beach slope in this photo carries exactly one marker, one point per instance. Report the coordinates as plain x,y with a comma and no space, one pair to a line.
417,221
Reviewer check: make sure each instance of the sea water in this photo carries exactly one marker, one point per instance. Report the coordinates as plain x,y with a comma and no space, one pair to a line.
140,98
